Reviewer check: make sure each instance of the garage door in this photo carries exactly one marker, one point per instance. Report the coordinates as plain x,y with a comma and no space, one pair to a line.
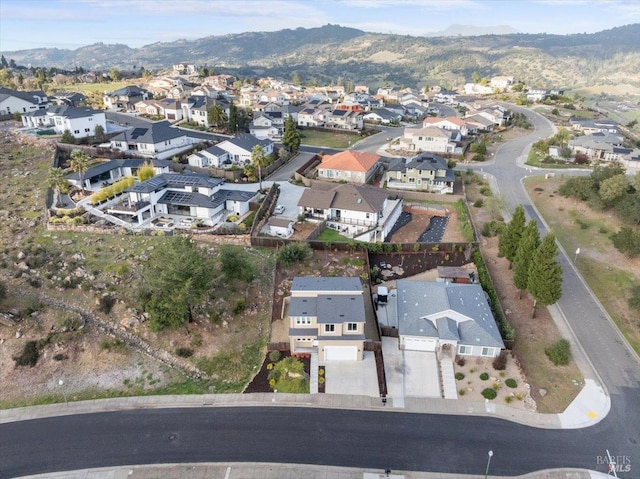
420,344
340,353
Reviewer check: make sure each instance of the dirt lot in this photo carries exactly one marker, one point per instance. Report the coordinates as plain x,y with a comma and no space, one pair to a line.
420,221
89,364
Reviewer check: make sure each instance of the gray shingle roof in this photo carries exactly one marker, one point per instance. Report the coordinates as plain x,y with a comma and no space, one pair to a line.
465,303
340,308
247,142
308,283
150,133
23,95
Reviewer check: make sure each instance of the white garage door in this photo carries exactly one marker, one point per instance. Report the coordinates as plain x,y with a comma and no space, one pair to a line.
420,344
340,353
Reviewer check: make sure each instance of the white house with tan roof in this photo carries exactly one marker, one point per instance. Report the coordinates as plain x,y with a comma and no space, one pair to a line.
363,213
350,166
433,139
448,123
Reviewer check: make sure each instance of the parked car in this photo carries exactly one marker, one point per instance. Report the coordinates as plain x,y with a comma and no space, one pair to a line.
279,209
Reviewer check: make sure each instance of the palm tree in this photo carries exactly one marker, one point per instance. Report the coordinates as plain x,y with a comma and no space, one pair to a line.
56,181
79,164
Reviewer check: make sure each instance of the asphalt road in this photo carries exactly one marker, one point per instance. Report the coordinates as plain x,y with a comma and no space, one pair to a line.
450,444
355,438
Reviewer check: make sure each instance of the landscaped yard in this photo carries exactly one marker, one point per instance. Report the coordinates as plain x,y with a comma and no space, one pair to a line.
609,273
331,236
329,139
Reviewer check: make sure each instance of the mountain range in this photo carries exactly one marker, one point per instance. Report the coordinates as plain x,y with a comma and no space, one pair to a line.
336,53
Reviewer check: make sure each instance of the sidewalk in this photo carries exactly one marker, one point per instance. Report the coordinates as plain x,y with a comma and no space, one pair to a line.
283,471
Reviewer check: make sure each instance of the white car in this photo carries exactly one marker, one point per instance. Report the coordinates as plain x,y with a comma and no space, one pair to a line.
278,210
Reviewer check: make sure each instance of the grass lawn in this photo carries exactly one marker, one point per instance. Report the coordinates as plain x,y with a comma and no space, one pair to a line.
331,236
100,87
329,139
609,274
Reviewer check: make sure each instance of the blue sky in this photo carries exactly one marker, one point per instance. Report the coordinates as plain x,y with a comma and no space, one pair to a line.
74,23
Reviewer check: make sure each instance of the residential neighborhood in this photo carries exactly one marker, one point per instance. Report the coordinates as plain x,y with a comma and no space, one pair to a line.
305,252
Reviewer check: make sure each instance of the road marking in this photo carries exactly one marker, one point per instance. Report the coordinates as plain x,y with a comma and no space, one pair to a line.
228,473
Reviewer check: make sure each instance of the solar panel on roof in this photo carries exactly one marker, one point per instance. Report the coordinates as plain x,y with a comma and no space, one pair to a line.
138,132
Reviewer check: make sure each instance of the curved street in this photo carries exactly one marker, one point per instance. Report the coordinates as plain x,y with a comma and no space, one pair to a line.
424,442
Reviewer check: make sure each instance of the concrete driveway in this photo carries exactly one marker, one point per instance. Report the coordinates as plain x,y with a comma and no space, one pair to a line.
409,373
352,377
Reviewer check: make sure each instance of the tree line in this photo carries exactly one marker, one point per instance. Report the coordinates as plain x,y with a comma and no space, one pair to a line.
535,268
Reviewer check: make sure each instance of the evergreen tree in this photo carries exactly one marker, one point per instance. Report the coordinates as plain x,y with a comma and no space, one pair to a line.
545,274
3,62
67,137
510,238
233,119
522,261
291,135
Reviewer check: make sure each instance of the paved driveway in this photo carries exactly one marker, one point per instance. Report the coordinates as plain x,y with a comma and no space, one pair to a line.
352,377
409,373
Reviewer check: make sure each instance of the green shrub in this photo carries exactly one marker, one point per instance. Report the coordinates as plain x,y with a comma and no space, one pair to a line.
486,190
497,386
493,228
240,306
489,393
484,376
293,253
68,321
634,301
511,383
184,352
321,380
461,392
479,203
559,352
60,357
459,376
508,399
274,356
29,356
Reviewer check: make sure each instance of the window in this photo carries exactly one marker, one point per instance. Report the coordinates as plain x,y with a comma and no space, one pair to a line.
76,132
352,327
87,130
329,328
487,351
302,321
464,350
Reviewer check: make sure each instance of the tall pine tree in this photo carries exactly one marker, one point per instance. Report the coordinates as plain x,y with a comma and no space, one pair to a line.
291,136
522,261
545,274
510,238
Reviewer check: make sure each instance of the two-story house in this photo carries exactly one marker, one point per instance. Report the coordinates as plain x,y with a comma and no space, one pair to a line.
13,101
363,213
240,147
433,139
351,166
424,172
327,315
81,122
125,98
345,120
448,123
